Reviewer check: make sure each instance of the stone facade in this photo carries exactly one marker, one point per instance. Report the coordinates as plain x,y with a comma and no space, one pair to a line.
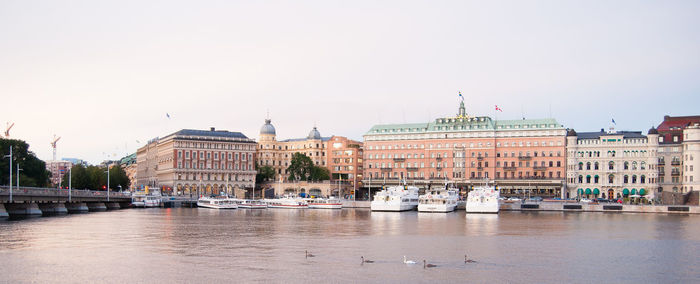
345,160
520,156
198,162
611,164
678,153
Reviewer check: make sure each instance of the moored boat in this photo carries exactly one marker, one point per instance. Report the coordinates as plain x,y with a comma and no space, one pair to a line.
440,200
483,199
252,204
216,203
396,198
287,201
322,203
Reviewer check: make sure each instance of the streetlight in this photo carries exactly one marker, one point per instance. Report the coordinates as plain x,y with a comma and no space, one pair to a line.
10,156
70,185
107,182
18,169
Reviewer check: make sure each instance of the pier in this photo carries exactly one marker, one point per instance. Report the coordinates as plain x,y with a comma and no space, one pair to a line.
33,201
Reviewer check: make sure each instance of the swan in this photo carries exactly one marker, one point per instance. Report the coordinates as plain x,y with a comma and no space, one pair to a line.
408,261
366,260
425,265
468,260
308,254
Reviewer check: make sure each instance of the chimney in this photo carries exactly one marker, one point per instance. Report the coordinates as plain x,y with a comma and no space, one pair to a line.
213,129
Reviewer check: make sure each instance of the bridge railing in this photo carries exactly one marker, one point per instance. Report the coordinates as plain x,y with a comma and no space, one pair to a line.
41,191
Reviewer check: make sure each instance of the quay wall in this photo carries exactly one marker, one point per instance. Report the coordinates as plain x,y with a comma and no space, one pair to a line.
611,207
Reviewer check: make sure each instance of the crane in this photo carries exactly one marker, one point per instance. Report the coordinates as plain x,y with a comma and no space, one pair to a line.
7,130
53,144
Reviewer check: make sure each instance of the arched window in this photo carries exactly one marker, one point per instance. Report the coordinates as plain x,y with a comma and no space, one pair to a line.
595,166
643,166
595,179
634,179
611,165
611,178
634,165
588,165
643,179
627,166
588,179
625,179
580,179
580,166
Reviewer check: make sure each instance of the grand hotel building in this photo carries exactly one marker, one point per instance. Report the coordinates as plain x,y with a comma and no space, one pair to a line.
519,156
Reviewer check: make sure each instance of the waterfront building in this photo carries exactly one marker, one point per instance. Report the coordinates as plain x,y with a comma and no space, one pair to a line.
129,165
198,161
679,146
58,168
524,156
278,154
345,161
611,164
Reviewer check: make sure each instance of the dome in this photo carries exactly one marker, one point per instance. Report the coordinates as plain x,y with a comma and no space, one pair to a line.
314,134
653,130
571,132
267,128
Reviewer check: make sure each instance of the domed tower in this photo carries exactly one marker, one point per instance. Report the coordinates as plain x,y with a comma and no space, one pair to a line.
267,131
314,134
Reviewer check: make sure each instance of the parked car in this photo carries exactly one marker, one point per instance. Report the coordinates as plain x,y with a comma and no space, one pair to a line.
514,199
535,199
586,200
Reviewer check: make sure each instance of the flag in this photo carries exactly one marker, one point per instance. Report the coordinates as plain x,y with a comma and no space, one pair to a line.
460,95
498,108
613,121
168,115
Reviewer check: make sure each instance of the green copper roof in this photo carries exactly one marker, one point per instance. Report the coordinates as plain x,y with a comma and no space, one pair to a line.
462,124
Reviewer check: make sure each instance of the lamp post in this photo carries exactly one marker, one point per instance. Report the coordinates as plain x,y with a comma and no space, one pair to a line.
18,169
70,185
10,156
107,182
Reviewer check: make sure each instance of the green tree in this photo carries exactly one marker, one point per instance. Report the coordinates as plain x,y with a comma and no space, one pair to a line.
80,178
117,177
300,167
265,173
320,173
33,172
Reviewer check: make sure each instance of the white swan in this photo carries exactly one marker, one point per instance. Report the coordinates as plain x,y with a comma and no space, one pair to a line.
408,261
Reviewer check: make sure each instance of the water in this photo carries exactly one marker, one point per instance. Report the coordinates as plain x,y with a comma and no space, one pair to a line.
205,246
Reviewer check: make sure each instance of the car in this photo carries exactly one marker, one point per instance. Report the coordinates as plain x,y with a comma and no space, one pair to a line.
586,200
514,199
602,200
535,198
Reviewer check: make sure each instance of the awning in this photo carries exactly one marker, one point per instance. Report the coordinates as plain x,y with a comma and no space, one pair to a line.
588,191
642,191
634,191
596,191
625,191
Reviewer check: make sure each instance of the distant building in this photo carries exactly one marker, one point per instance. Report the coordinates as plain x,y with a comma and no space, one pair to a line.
344,160
278,154
198,161
76,161
58,169
519,156
129,165
611,164
679,150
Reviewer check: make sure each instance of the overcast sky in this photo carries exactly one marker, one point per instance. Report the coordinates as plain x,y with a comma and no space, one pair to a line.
103,74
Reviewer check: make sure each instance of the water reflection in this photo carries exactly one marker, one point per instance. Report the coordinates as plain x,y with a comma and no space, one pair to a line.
481,224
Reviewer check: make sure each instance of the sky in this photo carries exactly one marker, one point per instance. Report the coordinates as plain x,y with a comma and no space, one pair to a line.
102,75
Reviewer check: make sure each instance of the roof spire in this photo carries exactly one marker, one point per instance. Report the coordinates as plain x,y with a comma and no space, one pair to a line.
462,110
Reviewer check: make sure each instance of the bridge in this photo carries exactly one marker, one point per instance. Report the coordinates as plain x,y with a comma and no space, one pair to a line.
27,201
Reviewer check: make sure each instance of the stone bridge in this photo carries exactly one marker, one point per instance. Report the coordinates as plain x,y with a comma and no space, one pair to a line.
24,201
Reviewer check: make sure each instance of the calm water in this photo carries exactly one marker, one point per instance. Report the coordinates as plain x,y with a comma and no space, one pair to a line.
203,245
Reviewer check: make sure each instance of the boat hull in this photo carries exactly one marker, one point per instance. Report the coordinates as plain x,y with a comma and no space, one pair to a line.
481,207
252,206
437,208
215,206
287,206
325,205
397,207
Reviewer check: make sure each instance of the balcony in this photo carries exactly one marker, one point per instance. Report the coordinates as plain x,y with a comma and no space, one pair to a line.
675,163
399,159
662,162
524,158
675,173
385,169
438,168
509,168
539,168
480,168
438,159
412,169
480,158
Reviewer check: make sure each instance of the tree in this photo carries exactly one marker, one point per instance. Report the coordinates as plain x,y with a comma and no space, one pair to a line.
320,173
265,173
117,177
33,172
301,167
95,177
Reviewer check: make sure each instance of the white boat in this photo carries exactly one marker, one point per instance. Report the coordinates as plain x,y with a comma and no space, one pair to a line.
216,203
252,204
145,201
438,200
322,203
483,199
286,201
396,198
